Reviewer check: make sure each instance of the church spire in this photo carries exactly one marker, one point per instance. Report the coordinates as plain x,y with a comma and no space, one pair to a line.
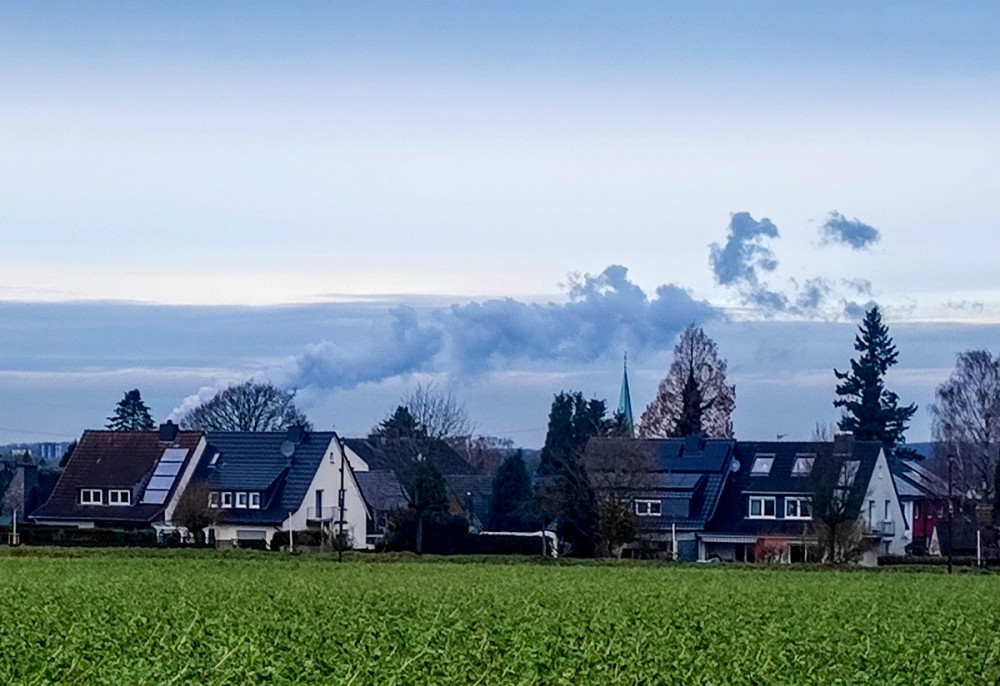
625,399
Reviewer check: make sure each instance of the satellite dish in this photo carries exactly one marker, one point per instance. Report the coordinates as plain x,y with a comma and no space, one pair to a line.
287,448
735,466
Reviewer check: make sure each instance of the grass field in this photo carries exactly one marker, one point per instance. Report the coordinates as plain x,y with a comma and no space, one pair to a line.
120,618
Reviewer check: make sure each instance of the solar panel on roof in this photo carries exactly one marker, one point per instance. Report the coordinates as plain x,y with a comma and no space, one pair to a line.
154,497
174,455
160,482
167,469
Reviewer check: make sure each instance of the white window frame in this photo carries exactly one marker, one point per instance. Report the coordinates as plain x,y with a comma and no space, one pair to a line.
214,499
255,501
644,508
763,499
227,500
799,502
761,459
242,500
120,497
89,499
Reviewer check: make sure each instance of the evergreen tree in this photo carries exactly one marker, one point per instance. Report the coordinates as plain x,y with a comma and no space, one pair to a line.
871,411
428,493
564,494
511,496
131,414
694,398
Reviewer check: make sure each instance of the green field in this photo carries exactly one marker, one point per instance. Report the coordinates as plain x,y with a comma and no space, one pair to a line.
120,618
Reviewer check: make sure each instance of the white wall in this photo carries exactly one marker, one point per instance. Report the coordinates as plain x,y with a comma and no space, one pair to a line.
327,478
882,488
185,479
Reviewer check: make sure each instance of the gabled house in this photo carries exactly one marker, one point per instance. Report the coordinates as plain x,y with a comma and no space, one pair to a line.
769,492
23,488
924,498
259,483
673,484
123,479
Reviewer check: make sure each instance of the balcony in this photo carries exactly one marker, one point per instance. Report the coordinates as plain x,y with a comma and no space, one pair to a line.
888,528
321,514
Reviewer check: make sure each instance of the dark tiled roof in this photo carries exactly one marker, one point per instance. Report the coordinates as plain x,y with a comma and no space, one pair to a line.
676,469
731,517
381,490
913,480
444,458
472,491
253,461
119,460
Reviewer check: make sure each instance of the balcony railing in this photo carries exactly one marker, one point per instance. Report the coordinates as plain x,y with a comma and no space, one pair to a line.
321,514
888,528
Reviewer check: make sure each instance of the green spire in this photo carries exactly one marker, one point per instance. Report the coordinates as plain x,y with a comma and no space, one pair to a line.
625,399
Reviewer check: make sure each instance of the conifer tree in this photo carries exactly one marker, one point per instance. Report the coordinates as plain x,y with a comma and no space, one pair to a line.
511,496
131,414
871,411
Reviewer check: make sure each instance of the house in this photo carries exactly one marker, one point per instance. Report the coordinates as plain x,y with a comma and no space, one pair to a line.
924,499
259,483
768,495
123,479
383,494
673,484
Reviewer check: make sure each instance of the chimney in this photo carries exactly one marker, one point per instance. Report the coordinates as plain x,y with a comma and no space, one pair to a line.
296,434
843,443
168,432
692,444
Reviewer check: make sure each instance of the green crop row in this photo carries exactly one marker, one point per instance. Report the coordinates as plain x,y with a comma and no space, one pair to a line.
115,619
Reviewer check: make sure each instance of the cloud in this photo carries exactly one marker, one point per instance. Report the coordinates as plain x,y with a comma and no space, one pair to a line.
606,314
744,253
852,232
387,346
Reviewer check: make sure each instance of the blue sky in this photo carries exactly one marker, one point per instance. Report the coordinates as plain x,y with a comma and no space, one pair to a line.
184,174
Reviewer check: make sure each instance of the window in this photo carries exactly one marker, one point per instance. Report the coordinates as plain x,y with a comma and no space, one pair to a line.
797,508
762,465
213,499
241,500
91,496
227,499
255,501
848,472
888,504
120,497
647,508
762,507
803,464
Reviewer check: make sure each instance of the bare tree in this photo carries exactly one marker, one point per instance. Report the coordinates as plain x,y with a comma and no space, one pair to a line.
620,468
249,406
823,432
193,510
837,491
694,398
438,412
966,423
484,453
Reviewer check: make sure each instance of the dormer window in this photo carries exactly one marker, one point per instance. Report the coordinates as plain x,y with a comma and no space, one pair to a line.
213,499
91,496
762,507
119,497
241,500
255,501
227,499
762,465
648,508
803,465
797,508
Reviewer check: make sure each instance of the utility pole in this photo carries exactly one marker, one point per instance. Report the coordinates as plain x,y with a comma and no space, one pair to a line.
340,501
951,512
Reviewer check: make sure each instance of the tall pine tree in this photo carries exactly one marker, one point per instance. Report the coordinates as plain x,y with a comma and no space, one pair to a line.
871,411
511,496
131,414
564,494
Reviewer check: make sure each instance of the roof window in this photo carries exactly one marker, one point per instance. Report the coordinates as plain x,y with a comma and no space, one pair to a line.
803,464
762,465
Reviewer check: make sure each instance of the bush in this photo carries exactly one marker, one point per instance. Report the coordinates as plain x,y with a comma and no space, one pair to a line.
444,533
305,537
90,538
933,561
476,544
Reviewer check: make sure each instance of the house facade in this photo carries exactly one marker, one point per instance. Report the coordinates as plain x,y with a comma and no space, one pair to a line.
123,479
259,483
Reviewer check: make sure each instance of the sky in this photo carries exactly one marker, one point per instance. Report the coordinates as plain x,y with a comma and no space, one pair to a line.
502,199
